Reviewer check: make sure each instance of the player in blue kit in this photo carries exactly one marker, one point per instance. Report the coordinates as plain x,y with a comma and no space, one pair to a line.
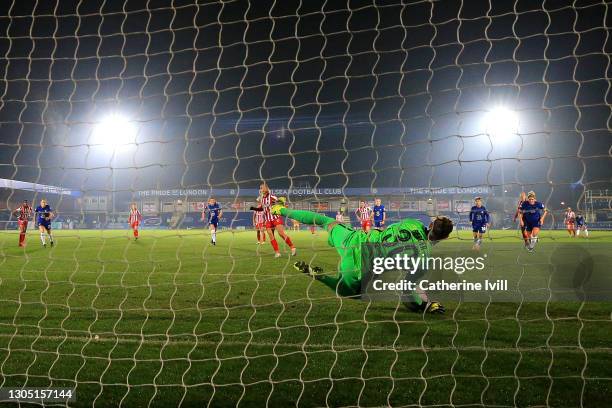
533,214
44,214
581,225
212,212
379,214
479,217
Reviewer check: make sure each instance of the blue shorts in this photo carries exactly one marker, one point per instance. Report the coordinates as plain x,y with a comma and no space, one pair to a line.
214,222
45,223
529,226
378,223
481,228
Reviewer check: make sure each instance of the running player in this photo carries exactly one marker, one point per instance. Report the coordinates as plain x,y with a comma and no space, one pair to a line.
570,222
533,214
479,217
134,220
260,226
295,225
379,214
25,212
364,215
212,213
581,225
44,215
274,222
339,217
517,215
347,242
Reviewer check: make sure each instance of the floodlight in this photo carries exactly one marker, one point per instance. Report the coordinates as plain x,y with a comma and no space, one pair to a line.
115,132
501,123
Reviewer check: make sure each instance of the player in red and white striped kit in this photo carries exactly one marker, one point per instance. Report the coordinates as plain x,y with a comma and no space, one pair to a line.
134,219
260,226
364,215
570,222
273,222
25,212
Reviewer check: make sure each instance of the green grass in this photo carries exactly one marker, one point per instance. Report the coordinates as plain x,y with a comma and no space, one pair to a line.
180,321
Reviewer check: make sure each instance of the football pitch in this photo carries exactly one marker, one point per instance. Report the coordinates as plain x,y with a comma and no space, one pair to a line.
171,320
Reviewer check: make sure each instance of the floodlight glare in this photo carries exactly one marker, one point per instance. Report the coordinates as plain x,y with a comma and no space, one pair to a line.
501,123
115,132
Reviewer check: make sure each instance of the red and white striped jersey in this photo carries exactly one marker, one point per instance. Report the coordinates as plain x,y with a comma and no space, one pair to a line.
267,200
134,216
339,218
518,209
25,211
364,213
259,217
570,216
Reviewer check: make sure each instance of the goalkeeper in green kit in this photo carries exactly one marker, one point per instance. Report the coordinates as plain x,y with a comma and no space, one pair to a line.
347,242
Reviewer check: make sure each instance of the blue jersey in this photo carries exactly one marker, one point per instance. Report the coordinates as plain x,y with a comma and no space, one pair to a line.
579,220
479,215
532,213
43,213
379,212
213,212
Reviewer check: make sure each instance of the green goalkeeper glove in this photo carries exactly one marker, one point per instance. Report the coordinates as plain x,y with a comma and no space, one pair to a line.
280,204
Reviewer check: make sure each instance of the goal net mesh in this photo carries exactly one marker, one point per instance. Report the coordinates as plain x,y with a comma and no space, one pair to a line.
167,103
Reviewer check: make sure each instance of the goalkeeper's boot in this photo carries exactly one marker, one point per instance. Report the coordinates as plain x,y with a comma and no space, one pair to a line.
435,308
300,266
313,271
280,204
425,307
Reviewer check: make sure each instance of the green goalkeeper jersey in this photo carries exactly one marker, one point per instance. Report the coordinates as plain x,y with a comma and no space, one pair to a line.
408,231
406,237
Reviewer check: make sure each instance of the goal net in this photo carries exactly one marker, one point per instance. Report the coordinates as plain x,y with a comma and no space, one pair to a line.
423,104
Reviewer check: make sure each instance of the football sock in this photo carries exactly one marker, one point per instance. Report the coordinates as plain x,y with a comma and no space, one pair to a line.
416,298
337,284
50,237
136,233
21,238
586,233
214,236
288,242
42,238
274,244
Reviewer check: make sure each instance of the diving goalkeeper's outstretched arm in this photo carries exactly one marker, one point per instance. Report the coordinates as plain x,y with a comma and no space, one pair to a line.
309,217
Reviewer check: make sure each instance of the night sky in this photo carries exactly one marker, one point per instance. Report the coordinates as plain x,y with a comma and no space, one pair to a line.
307,93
